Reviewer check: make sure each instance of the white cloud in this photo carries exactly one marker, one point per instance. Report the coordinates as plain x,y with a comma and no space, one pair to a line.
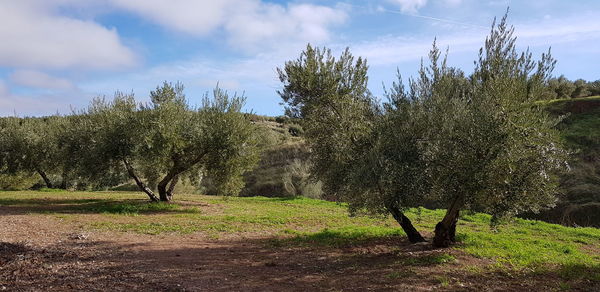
260,23
35,36
249,24
541,35
21,105
188,16
37,79
410,6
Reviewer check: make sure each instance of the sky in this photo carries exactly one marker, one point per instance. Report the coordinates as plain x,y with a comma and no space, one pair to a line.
57,55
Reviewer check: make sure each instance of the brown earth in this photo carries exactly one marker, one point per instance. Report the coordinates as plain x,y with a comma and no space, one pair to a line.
44,253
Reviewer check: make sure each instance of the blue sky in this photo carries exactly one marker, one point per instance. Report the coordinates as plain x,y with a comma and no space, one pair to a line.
56,55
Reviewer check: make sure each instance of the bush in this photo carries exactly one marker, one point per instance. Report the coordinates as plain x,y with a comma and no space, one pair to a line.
295,130
281,119
297,181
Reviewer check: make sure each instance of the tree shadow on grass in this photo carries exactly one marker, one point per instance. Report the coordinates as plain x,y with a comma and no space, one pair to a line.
89,206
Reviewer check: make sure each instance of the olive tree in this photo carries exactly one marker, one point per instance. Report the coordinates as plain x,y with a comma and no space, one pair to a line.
29,145
103,140
581,89
488,147
167,139
560,87
341,121
594,87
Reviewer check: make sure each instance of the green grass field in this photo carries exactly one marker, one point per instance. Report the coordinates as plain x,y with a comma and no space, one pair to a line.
520,245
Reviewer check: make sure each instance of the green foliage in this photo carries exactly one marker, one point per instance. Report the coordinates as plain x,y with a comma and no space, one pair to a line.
167,139
559,88
563,88
295,130
461,142
231,142
101,137
281,119
156,143
594,87
330,97
311,82
18,181
488,148
581,89
31,146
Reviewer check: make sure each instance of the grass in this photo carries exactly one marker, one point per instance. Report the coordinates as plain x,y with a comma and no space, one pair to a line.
521,245
430,260
580,128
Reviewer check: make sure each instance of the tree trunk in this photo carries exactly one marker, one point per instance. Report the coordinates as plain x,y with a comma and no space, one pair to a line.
172,186
139,182
63,183
166,194
445,230
45,178
167,184
413,235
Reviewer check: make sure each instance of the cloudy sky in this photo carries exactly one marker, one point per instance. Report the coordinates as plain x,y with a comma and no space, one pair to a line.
56,55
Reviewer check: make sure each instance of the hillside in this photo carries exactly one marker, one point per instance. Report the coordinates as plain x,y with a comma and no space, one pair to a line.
106,240
580,203
282,170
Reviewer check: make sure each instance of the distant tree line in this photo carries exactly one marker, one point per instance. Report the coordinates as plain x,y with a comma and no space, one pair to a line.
155,144
561,88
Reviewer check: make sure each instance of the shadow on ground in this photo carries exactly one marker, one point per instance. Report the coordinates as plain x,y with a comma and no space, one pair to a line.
88,206
254,265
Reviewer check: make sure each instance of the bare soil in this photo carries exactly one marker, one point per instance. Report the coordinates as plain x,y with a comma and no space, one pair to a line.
44,253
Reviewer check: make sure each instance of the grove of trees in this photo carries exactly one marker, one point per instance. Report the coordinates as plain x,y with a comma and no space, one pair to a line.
156,144
561,88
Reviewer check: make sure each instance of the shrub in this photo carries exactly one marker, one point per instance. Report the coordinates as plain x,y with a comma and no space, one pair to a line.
295,130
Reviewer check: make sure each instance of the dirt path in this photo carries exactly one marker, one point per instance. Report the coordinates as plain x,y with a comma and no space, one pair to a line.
41,253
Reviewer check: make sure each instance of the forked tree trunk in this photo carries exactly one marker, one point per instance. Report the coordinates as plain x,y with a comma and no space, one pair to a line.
166,186
45,178
139,182
413,235
445,230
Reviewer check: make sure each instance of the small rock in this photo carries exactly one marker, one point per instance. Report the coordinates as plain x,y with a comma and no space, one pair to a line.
78,236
